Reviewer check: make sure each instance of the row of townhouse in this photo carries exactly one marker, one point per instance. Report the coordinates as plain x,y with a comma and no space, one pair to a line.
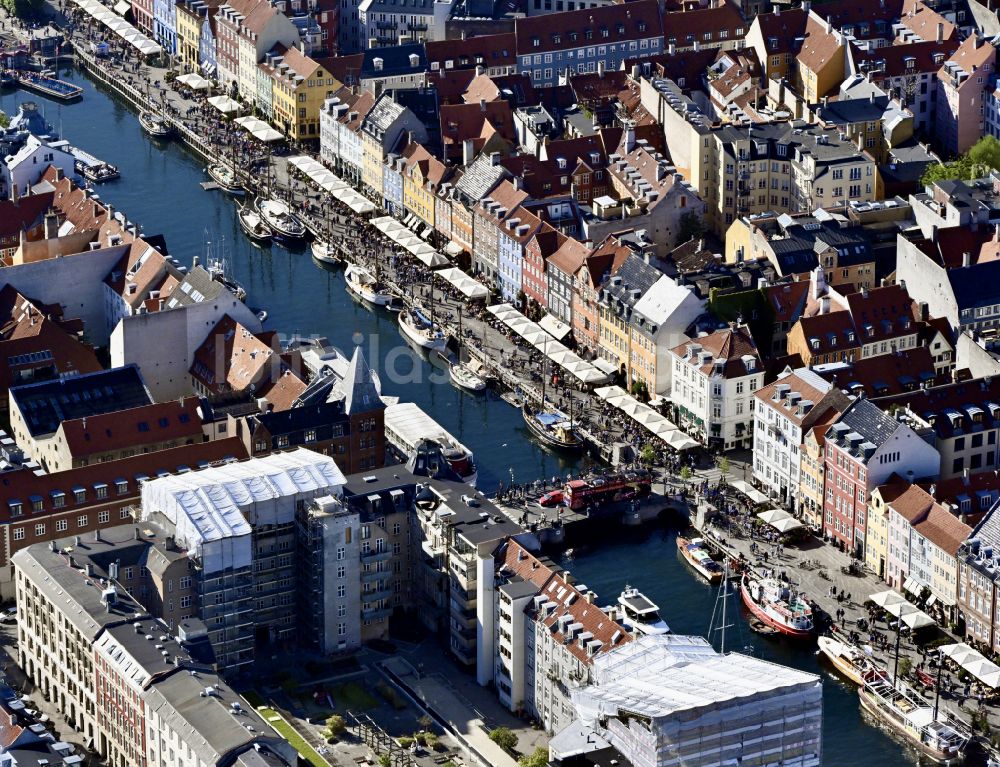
487,210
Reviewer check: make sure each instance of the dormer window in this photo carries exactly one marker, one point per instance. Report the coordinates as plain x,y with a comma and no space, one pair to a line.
535,42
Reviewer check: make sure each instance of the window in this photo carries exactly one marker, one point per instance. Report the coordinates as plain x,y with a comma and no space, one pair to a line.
18,533
103,517
61,525
40,529
185,582
342,591
82,520
341,571
185,602
15,508
311,435
341,629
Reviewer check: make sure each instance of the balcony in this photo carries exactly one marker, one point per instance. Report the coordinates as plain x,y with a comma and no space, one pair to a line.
372,596
376,613
376,556
385,25
373,575
420,26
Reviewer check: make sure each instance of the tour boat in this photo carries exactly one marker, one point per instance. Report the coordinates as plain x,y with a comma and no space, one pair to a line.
775,604
848,660
421,330
640,614
155,125
901,708
366,286
552,428
464,378
279,217
696,554
253,225
226,179
324,251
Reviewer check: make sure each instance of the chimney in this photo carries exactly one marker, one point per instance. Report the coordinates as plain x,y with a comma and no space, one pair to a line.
629,138
600,69
940,32
824,305
967,258
468,152
480,70
51,226
871,97
482,105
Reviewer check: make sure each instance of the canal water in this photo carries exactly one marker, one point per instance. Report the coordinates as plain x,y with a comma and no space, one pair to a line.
159,189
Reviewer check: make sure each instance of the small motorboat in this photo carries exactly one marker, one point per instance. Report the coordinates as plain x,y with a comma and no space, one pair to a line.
262,315
155,125
464,378
759,627
324,251
282,222
226,179
253,225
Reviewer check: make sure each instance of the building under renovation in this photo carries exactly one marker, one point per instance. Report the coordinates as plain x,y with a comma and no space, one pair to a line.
666,701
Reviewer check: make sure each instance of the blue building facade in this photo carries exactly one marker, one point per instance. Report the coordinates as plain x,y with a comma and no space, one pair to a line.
510,257
392,187
206,49
165,25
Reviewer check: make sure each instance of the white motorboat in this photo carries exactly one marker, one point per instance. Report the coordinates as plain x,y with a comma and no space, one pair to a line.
421,330
279,217
226,179
155,125
364,285
464,378
324,251
640,614
253,225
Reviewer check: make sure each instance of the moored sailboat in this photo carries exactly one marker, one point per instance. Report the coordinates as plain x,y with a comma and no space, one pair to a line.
253,225
421,330
279,217
693,550
155,125
362,284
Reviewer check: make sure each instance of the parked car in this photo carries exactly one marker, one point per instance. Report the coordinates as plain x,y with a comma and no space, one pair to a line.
553,498
9,615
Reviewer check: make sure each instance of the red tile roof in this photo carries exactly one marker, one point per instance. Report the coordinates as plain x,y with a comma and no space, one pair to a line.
122,429
486,50
704,25
729,344
24,213
569,30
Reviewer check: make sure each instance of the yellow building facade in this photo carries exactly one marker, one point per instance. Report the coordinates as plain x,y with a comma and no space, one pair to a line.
188,34
299,86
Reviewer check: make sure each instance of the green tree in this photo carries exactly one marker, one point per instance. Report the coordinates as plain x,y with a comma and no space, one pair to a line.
23,9
647,456
4,120
385,761
685,473
981,158
640,390
537,758
504,737
335,727
723,464
691,226
905,666
425,722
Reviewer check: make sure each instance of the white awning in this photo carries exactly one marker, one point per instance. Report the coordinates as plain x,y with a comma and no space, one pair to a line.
122,7
225,105
533,334
780,520
973,662
645,415
318,174
453,249
259,129
897,606
750,492
464,283
554,327
194,82
100,12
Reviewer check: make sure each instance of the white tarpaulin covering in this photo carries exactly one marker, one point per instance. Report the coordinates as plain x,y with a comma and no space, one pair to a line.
194,82
389,226
355,201
214,510
617,397
780,520
226,105
464,283
897,606
554,326
573,364
405,238
119,26
974,662
318,173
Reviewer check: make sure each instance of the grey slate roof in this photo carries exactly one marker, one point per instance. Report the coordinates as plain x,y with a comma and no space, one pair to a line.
479,179
873,424
46,404
381,116
629,284
974,285
360,394
395,61
197,286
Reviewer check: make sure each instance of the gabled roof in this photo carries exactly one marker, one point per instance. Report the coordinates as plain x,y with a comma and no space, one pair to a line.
569,257
780,30
23,213
485,50
128,427
704,25
923,21
866,419
819,47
